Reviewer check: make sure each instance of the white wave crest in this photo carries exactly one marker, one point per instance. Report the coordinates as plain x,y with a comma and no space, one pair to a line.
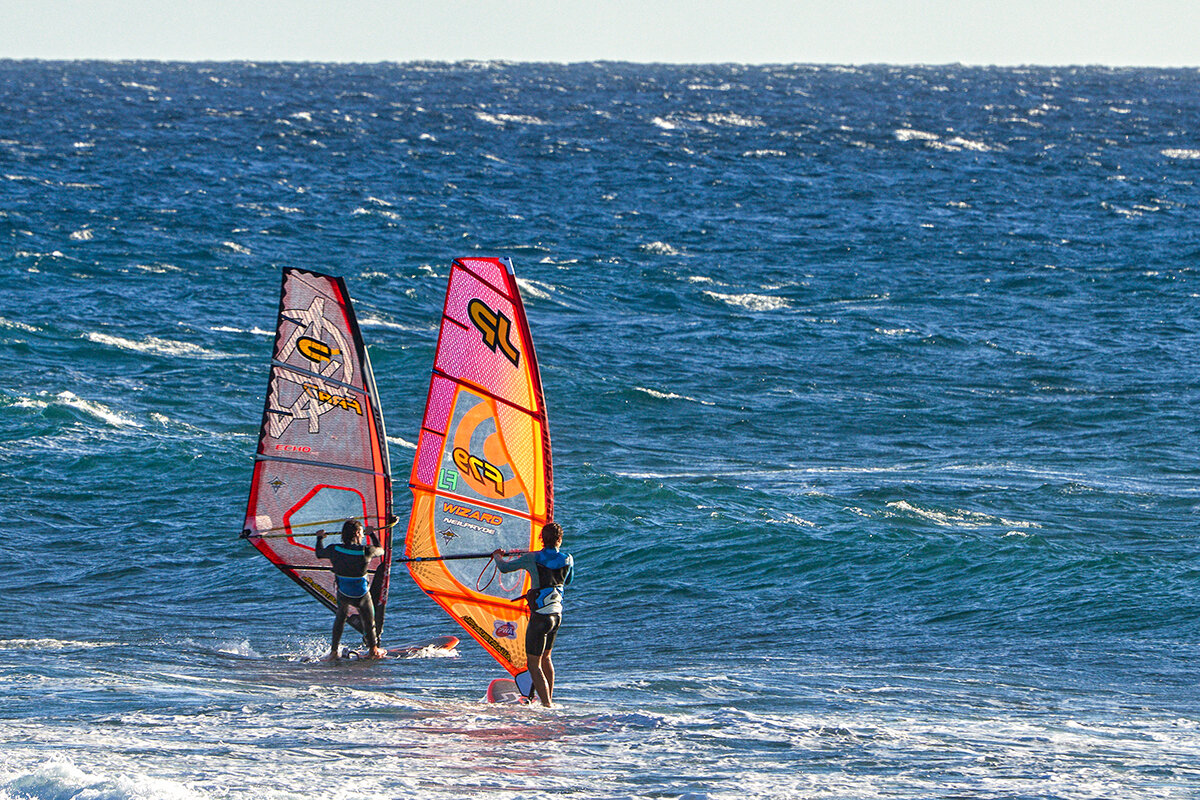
503,119
50,644
1182,154
953,144
402,442
158,269
229,329
672,396
535,289
792,519
958,518
237,248
751,302
33,254
97,410
969,144
16,325
379,322
658,249
911,135
717,119
375,212
729,119
151,344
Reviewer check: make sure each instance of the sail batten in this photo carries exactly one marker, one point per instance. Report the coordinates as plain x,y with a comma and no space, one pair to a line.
481,478
320,464
322,453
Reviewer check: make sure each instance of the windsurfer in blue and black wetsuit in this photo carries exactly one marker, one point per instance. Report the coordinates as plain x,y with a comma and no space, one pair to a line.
550,571
351,565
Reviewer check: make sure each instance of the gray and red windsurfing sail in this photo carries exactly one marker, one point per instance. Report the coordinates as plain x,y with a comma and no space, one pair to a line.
322,454
481,479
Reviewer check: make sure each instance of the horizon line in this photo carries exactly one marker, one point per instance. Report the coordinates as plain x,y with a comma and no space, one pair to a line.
596,61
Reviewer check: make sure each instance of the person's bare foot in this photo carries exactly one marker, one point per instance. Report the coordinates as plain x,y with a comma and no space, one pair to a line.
333,656
378,652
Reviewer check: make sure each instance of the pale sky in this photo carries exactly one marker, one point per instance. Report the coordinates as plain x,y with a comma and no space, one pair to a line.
1052,32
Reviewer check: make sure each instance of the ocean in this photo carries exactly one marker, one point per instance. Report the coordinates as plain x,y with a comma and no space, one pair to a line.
873,394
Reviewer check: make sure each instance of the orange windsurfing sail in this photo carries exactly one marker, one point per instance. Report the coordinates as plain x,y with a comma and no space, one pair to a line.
481,479
322,453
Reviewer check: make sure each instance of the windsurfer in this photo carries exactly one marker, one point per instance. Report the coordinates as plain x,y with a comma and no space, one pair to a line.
550,571
351,564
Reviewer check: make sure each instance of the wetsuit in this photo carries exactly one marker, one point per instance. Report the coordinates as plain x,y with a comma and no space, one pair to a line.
351,565
550,571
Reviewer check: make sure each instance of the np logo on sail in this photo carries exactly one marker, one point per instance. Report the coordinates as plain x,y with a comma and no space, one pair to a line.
495,328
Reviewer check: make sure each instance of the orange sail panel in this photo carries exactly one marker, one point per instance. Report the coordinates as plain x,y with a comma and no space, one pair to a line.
481,479
322,454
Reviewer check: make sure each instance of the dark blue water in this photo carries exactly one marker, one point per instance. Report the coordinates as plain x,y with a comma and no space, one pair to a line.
873,395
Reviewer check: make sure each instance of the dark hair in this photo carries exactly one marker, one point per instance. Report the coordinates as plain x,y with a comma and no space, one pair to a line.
350,529
552,534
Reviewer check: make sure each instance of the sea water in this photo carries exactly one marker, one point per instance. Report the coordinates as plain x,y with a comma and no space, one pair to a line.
873,395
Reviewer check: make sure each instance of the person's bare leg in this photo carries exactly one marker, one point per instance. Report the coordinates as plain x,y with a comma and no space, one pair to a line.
539,680
548,673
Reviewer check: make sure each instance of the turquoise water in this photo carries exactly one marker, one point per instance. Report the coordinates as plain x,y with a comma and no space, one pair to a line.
872,393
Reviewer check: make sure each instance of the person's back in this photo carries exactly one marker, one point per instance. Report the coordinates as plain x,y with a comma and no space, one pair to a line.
550,571
351,562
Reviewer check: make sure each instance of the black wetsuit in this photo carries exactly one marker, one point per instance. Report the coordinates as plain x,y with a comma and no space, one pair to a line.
351,565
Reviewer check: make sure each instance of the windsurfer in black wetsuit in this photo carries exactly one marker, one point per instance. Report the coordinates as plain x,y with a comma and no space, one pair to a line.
549,571
351,565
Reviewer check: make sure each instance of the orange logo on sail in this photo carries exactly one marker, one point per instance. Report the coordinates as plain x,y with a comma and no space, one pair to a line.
495,328
315,351
486,474
322,396
470,513
478,469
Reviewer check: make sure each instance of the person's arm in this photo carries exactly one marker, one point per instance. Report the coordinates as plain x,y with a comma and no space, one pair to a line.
321,544
570,571
523,561
372,550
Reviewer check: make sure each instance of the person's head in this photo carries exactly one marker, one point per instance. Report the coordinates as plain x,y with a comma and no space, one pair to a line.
352,532
552,534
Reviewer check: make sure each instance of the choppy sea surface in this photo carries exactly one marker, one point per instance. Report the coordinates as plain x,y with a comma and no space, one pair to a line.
874,397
